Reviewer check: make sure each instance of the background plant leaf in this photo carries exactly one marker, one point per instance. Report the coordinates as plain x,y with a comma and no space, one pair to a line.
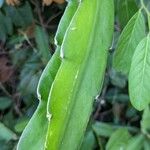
5,133
132,34
118,140
145,122
139,86
5,102
125,10
42,43
136,143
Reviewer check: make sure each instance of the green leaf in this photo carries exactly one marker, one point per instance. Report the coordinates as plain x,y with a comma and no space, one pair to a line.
35,131
5,103
28,83
131,112
65,21
21,16
139,75
8,25
42,42
32,85
103,129
19,55
117,79
132,34
145,122
146,145
136,143
89,141
16,40
118,140
3,31
6,134
79,77
29,74
9,119
48,74
125,10
26,14
19,127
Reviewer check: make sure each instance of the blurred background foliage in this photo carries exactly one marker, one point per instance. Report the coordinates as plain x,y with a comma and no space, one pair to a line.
26,44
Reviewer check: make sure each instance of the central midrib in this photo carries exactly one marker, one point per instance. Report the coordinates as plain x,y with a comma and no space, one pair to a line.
82,68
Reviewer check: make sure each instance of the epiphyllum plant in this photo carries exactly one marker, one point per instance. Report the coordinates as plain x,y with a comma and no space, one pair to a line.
74,75
71,79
